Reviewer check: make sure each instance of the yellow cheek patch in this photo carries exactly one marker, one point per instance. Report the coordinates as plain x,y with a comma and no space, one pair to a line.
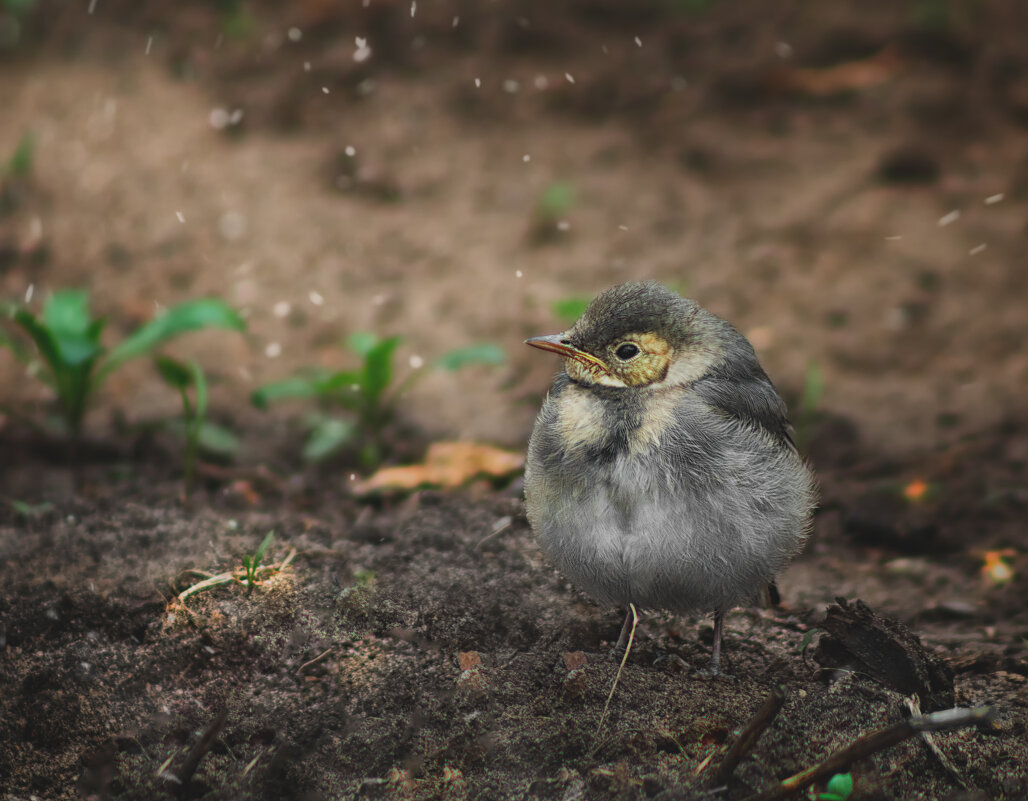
650,366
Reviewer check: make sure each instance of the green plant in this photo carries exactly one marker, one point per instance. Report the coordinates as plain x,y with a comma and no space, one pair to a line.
19,164
368,394
70,358
251,564
569,309
839,788
198,432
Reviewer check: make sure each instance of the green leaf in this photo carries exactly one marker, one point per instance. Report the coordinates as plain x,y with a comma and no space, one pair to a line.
43,341
840,786
218,440
174,372
481,353
19,165
192,315
67,312
328,437
378,369
556,200
265,543
361,342
567,310
200,384
287,389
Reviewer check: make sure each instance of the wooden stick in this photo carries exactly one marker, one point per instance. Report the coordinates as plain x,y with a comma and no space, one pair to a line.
877,740
748,736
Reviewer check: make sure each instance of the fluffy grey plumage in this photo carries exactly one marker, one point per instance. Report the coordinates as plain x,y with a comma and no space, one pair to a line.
661,471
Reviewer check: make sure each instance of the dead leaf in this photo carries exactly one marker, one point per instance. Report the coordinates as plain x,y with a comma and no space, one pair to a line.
469,659
850,76
447,464
573,660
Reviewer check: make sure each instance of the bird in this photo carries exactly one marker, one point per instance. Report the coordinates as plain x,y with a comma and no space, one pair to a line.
661,471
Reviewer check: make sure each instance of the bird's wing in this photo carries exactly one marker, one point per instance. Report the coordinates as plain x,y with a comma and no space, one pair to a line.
743,391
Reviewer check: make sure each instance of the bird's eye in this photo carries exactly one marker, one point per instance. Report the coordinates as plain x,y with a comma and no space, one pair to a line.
627,351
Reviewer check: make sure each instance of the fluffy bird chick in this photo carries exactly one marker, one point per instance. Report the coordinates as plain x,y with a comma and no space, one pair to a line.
661,471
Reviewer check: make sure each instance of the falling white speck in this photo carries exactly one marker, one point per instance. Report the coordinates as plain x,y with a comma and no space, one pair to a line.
232,226
316,298
244,373
478,83
526,158
282,308
413,8
235,117
295,34
541,82
149,44
563,225
181,216
28,292
893,238
622,227
363,52
350,151
353,476
92,6
783,49
993,199
456,22
510,86
518,274
638,41
947,219
219,118
273,350
416,362
976,249
378,300
306,66
569,77
324,90
604,50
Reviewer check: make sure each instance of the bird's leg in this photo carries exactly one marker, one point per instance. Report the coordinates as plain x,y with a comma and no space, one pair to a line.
715,658
626,629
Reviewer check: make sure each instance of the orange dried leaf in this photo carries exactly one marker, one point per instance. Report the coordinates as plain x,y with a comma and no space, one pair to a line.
447,464
573,660
996,568
469,659
851,76
915,490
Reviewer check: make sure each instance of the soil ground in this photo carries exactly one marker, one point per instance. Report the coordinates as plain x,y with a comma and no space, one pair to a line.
850,190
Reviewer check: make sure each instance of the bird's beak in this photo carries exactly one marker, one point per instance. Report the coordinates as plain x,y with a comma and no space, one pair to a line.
559,344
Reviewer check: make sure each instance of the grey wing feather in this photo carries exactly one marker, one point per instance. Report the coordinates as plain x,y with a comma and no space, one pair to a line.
740,389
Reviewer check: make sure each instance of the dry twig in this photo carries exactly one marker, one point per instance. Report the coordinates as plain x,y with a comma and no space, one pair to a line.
877,740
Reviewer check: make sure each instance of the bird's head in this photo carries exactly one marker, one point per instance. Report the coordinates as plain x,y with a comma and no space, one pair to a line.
639,334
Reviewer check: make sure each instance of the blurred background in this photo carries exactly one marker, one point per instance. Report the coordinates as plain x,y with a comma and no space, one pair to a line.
847,183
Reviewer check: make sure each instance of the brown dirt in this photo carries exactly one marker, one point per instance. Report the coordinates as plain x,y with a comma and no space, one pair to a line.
812,222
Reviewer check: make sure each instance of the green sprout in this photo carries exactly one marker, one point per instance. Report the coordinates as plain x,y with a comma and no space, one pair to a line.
367,394
249,575
19,164
199,433
251,564
569,309
839,788
69,356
